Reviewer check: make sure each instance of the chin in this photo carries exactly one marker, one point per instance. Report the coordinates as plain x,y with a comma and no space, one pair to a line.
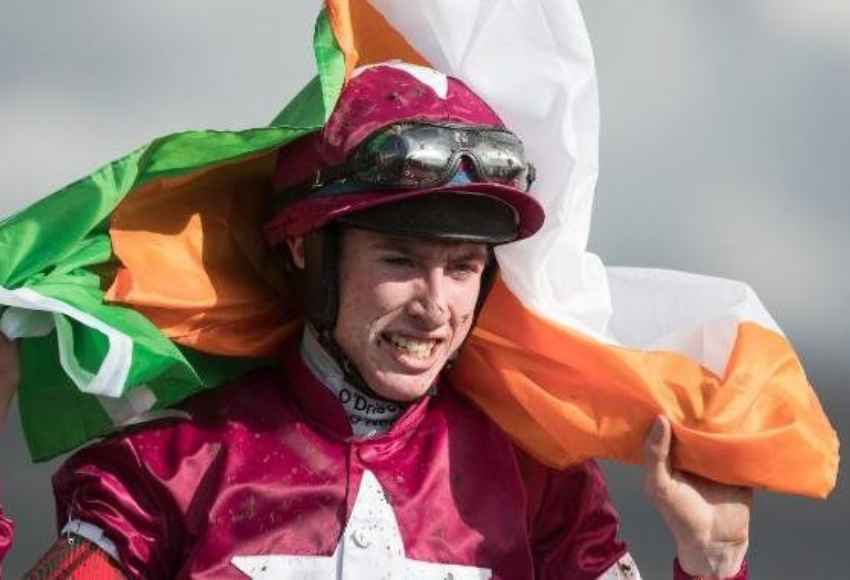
402,388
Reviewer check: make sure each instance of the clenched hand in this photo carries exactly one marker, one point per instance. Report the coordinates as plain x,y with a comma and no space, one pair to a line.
709,520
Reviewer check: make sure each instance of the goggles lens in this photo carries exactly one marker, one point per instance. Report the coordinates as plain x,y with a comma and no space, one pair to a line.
419,155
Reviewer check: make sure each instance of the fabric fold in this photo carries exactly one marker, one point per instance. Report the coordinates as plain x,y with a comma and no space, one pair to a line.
571,358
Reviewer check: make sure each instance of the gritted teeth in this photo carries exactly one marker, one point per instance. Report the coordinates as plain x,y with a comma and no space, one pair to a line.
417,347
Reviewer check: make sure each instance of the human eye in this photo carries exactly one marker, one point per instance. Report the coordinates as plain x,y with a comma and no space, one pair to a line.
464,269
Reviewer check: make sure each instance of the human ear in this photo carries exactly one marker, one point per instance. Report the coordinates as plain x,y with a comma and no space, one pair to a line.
296,250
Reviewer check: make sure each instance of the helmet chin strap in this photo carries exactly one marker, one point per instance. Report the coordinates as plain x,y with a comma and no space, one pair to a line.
320,293
349,369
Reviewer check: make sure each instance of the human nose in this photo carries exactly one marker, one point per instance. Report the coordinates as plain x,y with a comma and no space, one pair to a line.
431,304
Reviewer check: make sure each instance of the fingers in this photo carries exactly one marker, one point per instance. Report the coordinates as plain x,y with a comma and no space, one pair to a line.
657,443
8,353
9,374
656,452
8,346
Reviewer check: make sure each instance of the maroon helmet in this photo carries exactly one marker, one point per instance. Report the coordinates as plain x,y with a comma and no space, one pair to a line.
469,181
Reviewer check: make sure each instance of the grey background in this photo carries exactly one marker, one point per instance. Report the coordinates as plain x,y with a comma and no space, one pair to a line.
723,151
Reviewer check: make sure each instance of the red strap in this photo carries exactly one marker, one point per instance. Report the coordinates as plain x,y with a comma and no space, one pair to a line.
75,558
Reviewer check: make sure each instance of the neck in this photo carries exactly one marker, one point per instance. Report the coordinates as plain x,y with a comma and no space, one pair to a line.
367,415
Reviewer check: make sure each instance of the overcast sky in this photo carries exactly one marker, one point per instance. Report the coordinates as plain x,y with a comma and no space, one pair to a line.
724,150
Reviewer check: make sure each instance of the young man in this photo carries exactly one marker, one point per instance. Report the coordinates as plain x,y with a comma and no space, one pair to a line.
355,457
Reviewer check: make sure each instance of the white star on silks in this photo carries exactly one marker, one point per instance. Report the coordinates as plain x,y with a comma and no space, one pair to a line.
370,547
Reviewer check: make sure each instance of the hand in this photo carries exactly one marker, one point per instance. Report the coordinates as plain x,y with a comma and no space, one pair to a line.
709,520
10,374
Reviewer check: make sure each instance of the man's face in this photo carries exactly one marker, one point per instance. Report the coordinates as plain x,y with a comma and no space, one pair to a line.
406,305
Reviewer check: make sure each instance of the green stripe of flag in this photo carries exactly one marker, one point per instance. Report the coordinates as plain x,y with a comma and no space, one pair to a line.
55,252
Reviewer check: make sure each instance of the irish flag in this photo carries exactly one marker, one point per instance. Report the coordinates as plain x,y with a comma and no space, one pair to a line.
148,280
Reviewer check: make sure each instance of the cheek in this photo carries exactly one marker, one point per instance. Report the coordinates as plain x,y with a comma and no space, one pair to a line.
353,309
364,303
461,331
464,307
395,296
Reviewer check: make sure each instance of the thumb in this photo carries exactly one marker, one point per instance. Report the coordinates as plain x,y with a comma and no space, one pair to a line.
9,374
656,453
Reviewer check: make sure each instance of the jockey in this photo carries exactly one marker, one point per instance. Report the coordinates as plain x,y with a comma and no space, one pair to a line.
355,456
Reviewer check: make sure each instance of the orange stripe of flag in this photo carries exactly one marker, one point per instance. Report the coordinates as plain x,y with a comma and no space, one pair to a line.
365,36
565,398
202,230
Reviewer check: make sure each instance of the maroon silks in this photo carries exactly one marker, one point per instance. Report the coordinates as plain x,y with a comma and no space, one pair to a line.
268,466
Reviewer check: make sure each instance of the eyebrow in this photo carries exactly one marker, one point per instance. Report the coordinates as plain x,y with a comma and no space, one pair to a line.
410,247
399,244
473,254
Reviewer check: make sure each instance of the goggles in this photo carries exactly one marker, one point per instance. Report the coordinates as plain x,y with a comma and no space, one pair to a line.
420,154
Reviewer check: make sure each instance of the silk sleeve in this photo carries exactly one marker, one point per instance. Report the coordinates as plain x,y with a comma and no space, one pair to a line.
572,524
140,489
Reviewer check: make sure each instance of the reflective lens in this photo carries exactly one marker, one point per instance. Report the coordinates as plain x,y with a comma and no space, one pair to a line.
425,155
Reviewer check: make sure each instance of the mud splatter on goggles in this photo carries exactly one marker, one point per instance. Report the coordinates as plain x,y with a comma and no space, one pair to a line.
420,154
